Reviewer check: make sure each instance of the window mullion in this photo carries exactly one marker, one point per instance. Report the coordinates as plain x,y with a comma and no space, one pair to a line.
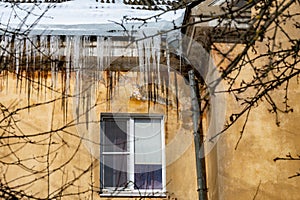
131,152
102,126
163,159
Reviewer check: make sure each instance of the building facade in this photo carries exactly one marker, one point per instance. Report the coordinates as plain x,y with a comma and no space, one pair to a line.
99,103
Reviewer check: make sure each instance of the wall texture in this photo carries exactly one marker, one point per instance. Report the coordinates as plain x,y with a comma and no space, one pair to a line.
53,147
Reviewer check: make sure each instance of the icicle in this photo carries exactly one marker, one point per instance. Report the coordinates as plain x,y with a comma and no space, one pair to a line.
3,46
67,53
89,73
111,50
76,53
180,50
27,56
147,45
108,52
78,71
6,46
168,59
149,63
141,54
34,52
68,49
2,51
100,53
17,50
153,52
85,56
21,52
28,63
100,56
156,46
10,54
168,77
86,52
28,50
54,52
43,50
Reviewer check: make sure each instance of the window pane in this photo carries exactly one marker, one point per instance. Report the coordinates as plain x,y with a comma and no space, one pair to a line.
148,177
147,141
137,157
115,170
115,135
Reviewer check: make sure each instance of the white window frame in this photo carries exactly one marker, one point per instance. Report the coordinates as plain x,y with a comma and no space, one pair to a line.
130,191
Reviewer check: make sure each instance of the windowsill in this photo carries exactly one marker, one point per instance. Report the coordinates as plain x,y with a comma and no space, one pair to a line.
133,193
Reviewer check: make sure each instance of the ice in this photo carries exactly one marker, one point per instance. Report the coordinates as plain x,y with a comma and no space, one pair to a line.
90,59
43,51
147,65
28,52
68,49
54,53
149,53
34,51
156,51
100,53
17,51
85,51
76,53
141,56
109,51
168,60
4,45
83,57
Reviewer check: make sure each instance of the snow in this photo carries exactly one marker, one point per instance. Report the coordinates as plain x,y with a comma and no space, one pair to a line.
81,17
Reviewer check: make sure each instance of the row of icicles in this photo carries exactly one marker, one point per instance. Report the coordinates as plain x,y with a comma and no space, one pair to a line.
34,57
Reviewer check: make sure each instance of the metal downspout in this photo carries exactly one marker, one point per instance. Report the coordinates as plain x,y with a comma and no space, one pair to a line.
197,129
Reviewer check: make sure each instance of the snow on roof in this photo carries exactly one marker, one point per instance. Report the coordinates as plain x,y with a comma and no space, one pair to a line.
84,17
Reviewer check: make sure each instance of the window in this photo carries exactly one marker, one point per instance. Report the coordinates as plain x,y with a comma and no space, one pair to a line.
132,154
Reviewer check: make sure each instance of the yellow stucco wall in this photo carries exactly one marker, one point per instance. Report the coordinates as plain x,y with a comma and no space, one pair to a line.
74,150
249,172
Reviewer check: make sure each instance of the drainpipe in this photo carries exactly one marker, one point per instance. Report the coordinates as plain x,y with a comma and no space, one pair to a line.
198,138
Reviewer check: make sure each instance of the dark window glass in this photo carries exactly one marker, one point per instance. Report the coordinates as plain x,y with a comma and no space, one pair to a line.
115,170
115,135
148,177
